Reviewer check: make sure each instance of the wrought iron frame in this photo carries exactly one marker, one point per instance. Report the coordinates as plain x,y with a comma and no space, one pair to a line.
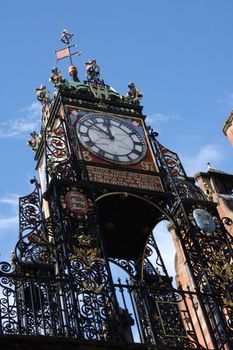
202,250
60,282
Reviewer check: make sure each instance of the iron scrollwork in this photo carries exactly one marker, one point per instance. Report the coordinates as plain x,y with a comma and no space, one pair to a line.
211,270
81,259
173,162
188,190
57,150
35,240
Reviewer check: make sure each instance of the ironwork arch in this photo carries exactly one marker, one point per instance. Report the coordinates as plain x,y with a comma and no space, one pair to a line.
145,263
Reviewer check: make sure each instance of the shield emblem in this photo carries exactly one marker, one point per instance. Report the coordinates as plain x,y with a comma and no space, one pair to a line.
77,203
204,220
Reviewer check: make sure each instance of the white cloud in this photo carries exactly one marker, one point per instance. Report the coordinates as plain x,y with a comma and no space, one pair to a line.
10,220
158,118
11,199
23,125
209,153
8,223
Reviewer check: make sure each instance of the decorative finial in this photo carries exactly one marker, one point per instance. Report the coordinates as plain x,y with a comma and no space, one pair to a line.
34,141
93,72
152,133
66,38
56,77
42,94
133,92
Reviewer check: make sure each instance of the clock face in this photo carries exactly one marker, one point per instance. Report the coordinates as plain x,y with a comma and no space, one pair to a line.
111,138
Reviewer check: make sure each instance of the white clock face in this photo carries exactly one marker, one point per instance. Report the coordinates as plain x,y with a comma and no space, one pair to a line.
111,138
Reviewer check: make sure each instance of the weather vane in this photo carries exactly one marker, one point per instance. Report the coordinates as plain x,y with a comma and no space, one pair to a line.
66,38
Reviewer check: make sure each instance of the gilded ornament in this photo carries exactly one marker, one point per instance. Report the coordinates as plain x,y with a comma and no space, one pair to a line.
102,105
34,141
84,240
88,256
43,95
50,166
92,286
224,277
45,115
93,72
133,92
56,77
225,272
228,302
124,195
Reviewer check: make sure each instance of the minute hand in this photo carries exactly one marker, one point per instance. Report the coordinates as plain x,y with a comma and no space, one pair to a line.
96,127
108,125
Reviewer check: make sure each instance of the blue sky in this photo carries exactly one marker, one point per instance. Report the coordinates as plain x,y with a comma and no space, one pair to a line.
178,52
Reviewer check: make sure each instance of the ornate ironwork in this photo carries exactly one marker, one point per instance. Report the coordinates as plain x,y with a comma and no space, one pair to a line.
81,258
173,163
56,144
35,249
127,265
60,281
40,306
30,211
188,190
203,249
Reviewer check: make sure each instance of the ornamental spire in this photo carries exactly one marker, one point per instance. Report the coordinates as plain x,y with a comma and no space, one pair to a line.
66,39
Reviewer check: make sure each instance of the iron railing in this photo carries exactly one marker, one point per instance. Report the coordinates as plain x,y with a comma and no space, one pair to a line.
37,302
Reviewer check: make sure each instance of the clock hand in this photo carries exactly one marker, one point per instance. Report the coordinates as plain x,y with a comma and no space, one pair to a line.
108,125
97,128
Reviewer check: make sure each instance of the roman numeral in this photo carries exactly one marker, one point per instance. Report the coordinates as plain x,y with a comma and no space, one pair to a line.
90,122
101,153
138,153
83,133
89,143
87,123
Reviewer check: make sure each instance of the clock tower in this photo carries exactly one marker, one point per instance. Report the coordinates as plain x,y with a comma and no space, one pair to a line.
87,271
